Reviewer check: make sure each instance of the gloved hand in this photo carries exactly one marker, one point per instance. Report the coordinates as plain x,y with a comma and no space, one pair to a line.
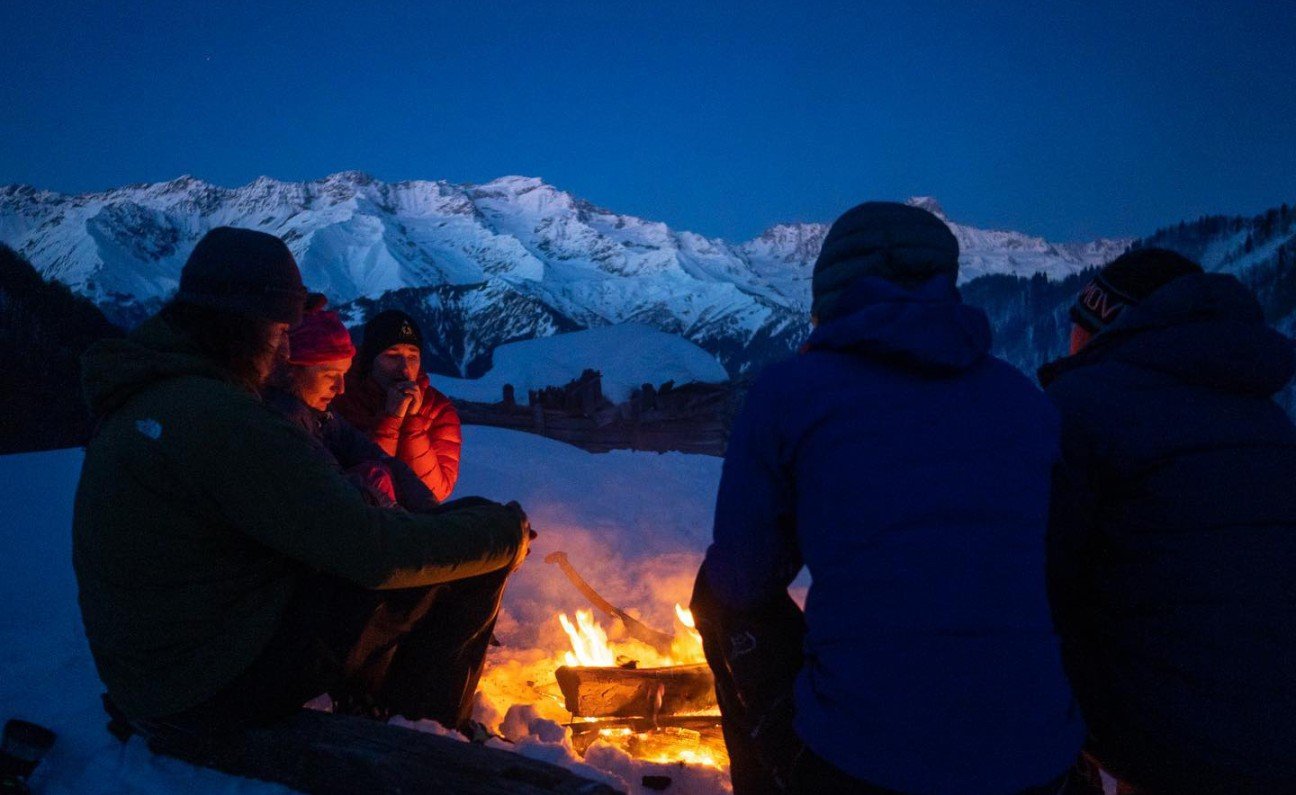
528,535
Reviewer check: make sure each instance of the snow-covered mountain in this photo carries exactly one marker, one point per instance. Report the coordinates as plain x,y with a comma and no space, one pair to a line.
983,252
485,264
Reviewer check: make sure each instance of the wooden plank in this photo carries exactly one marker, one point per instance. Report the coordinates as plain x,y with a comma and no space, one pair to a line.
317,752
630,692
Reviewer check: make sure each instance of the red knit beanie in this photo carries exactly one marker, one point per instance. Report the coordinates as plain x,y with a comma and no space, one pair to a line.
320,337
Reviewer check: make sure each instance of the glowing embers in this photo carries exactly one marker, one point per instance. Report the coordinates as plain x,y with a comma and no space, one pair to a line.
689,740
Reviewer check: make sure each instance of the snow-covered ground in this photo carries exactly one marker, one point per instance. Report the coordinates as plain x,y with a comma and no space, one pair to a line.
636,524
627,355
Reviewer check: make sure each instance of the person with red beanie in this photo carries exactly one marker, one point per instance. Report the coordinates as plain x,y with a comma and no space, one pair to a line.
388,397
319,355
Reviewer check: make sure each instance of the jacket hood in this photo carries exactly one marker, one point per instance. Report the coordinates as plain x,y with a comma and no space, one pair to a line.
114,370
1206,330
927,328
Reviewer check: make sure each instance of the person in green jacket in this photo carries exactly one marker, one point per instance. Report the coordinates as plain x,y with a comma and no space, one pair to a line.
227,573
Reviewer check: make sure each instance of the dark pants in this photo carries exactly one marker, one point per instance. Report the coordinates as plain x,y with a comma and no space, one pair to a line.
416,652
755,656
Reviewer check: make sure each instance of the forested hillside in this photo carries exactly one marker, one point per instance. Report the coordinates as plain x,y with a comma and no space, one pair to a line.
44,328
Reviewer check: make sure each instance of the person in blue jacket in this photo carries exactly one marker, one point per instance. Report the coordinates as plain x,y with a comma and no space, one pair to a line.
909,471
1173,543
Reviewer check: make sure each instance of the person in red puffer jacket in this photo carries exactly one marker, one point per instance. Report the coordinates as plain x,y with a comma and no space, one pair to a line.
388,397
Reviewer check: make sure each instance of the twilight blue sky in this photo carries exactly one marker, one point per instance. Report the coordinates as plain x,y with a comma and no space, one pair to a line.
1067,119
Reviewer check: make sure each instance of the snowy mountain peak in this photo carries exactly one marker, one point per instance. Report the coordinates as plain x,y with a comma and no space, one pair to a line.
794,232
929,204
518,256
351,177
514,184
183,182
20,191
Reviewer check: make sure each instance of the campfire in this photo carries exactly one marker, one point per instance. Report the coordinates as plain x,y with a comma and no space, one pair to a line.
619,683
659,707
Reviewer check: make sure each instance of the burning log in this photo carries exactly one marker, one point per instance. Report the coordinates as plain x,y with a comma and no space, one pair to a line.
636,692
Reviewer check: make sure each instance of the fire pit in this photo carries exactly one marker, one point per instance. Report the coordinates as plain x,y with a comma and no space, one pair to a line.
649,694
664,711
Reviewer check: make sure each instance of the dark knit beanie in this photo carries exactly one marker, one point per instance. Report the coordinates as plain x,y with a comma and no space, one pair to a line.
1125,282
902,244
245,272
384,330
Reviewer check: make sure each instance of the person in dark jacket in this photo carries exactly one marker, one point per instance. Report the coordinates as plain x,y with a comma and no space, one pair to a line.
226,572
301,389
389,398
909,471
1173,541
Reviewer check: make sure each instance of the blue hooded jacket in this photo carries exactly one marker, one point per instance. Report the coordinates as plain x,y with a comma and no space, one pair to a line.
909,470
1173,545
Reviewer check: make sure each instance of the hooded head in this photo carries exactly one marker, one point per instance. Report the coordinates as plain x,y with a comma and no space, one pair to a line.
1205,329
904,245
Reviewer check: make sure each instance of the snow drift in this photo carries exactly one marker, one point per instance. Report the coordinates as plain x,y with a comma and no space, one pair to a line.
627,355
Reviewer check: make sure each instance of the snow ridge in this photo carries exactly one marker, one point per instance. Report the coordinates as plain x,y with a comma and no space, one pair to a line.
358,238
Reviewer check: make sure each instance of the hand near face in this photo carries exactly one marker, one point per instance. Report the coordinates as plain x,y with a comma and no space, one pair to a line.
395,370
415,395
403,399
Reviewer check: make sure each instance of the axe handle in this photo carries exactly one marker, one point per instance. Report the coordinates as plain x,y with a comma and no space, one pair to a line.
637,629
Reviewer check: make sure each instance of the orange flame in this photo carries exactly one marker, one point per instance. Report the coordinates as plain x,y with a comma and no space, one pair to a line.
589,641
529,679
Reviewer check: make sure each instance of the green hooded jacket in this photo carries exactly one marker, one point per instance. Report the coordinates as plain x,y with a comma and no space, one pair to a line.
198,512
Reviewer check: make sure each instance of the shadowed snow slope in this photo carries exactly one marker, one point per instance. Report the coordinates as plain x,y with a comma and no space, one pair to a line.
635,523
628,356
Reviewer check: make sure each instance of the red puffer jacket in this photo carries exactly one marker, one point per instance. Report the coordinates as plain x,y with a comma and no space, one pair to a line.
428,440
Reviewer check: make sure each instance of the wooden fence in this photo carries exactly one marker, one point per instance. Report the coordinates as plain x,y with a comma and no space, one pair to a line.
692,418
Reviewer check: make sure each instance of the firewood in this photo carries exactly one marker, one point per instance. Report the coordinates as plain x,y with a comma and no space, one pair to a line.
643,692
